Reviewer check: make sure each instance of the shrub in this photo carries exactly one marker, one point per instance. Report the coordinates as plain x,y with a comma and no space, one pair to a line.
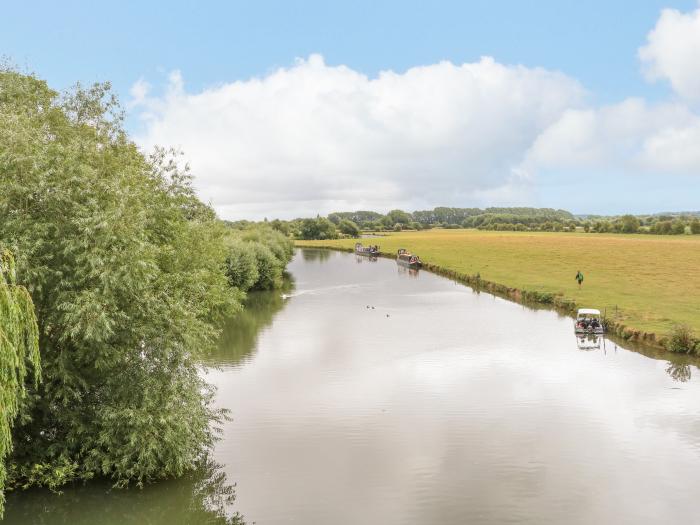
347,227
269,267
683,341
241,265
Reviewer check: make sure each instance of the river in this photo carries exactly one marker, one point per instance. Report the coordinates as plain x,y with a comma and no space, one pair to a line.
372,394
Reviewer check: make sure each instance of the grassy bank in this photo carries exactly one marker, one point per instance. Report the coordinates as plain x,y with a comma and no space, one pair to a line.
646,284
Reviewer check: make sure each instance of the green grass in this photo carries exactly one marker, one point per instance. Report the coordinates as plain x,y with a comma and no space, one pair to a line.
646,282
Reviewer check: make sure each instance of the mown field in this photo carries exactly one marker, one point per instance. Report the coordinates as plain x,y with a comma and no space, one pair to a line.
646,282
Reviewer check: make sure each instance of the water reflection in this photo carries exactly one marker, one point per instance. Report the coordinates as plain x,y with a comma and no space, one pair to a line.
319,255
679,372
405,271
589,342
202,498
240,333
365,258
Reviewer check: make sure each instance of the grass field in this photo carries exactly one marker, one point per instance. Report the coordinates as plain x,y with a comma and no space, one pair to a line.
651,281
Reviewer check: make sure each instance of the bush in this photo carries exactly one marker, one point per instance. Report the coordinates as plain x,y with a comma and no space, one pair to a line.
678,228
269,268
347,227
241,265
319,228
683,341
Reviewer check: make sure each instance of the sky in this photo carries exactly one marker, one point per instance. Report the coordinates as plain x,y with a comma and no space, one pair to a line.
286,109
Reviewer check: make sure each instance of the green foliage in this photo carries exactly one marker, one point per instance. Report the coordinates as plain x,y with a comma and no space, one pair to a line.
629,224
319,228
695,227
241,265
682,340
349,228
257,257
19,354
123,263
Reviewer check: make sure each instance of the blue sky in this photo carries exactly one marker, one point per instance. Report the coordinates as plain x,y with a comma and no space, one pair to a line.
214,44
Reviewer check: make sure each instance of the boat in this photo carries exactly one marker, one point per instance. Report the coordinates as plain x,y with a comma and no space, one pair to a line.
370,251
589,321
406,258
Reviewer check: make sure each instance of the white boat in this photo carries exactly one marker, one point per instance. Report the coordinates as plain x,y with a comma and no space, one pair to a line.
589,321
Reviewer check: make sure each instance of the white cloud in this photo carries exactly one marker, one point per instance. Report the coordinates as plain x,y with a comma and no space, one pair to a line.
139,92
630,137
314,138
672,52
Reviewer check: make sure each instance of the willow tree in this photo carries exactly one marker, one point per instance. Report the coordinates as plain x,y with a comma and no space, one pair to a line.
19,354
124,265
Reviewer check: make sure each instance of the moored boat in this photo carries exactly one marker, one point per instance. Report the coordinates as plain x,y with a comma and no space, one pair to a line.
370,251
406,258
589,321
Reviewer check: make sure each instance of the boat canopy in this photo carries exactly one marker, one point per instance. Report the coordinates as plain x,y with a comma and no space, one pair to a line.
588,311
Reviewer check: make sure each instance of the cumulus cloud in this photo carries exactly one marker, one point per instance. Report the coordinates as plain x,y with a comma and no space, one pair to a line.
313,137
629,137
672,52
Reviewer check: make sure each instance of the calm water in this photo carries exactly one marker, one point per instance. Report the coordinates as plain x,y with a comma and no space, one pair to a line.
374,395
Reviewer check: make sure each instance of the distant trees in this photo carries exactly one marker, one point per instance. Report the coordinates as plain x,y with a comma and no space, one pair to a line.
319,228
695,227
508,219
349,228
629,224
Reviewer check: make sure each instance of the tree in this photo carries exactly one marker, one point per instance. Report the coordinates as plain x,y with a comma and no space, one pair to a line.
19,354
678,227
629,224
695,226
318,228
347,227
123,263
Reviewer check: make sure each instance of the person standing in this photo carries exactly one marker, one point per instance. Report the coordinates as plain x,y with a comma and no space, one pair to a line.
579,278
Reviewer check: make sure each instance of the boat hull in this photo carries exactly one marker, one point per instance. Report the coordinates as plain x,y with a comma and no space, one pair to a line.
414,265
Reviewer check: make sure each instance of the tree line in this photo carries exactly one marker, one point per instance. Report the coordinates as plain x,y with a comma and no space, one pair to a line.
351,224
128,275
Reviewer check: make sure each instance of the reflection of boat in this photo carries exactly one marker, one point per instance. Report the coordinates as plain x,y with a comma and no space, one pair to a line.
407,270
406,258
588,342
364,258
588,321
371,251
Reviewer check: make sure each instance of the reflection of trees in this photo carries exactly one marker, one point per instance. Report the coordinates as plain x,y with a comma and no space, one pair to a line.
310,254
679,371
201,498
240,333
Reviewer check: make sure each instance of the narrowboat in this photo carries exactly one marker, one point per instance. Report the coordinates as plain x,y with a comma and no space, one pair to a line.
589,321
370,251
406,258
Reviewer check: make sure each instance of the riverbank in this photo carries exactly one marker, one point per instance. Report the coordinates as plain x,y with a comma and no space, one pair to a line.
644,284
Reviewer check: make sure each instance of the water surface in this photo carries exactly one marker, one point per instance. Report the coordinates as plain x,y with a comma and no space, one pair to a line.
374,394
